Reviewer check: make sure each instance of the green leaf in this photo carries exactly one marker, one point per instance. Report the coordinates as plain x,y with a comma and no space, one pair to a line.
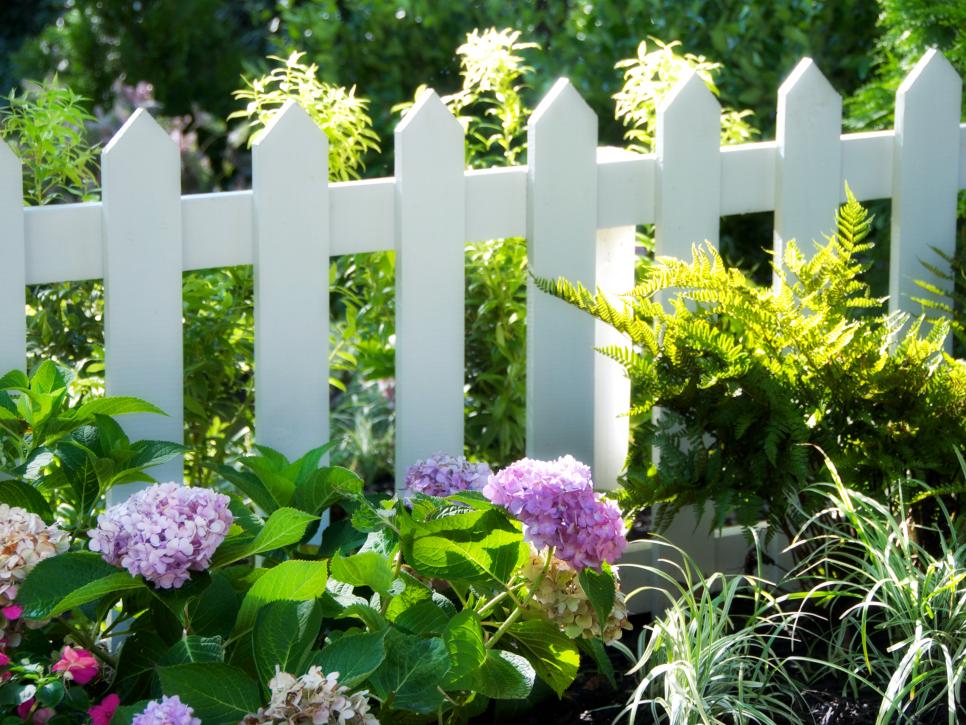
218,693
364,569
295,580
353,656
249,484
116,405
135,667
63,582
425,617
152,453
411,672
25,496
475,547
278,486
463,637
176,599
284,527
324,487
215,611
553,655
193,648
14,380
50,694
600,588
504,676
285,632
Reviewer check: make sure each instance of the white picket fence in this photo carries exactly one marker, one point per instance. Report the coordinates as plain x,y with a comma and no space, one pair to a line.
576,204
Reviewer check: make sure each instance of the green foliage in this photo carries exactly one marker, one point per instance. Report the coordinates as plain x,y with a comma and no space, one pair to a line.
337,111
650,76
949,301
713,655
45,127
747,376
900,590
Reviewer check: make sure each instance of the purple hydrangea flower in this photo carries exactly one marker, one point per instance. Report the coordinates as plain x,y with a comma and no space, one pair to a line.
163,532
166,711
556,502
442,475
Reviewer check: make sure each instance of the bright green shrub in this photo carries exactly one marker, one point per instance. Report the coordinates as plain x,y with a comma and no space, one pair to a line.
751,381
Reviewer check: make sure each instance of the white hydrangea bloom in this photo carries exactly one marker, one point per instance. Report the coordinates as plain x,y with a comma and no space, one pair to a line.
25,540
315,698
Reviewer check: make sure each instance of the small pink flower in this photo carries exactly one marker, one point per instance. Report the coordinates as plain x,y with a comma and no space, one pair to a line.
78,665
12,612
102,713
4,660
44,714
24,708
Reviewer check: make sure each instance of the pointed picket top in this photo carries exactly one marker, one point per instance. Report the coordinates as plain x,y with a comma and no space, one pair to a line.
690,96
141,133
8,159
428,115
933,74
807,84
294,126
564,103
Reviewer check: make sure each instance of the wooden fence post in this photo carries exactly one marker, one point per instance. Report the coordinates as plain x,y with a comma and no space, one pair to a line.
809,162
430,235
13,323
561,242
925,178
142,283
291,266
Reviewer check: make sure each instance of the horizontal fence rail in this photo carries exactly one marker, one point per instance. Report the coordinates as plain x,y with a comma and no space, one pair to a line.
576,204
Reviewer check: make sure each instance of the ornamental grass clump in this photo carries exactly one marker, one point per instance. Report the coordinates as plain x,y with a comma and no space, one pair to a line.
896,593
163,533
442,475
315,697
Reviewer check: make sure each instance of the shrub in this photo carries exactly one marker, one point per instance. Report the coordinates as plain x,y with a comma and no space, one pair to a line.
744,375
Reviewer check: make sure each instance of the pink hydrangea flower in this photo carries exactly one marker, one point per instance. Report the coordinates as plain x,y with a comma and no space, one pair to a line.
163,532
555,501
442,475
78,665
166,711
102,712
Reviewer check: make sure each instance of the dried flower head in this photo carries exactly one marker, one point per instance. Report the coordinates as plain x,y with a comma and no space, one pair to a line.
315,697
163,532
442,475
25,540
556,502
166,711
560,598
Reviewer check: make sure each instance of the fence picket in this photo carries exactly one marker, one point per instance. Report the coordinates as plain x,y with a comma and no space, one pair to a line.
141,178
687,213
809,162
291,267
430,226
925,177
13,325
561,234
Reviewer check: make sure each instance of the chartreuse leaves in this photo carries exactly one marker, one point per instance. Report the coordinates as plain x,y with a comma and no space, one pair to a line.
553,655
218,693
410,675
295,580
353,656
284,634
284,527
59,584
599,586
367,568
475,547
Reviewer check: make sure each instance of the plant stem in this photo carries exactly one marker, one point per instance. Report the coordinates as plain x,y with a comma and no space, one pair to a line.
518,610
88,641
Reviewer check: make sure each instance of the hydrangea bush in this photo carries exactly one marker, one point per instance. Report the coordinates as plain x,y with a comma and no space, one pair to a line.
183,605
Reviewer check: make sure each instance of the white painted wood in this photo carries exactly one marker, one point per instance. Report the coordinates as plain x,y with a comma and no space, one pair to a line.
625,188
430,226
925,176
688,211
561,242
688,169
496,203
141,180
612,388
809,162
291,219
13,323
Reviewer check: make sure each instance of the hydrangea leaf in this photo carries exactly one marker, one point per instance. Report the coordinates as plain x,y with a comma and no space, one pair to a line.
193,648
413,668
25,496
353,656
218,693
296,580
504,676
553,655
366,568
214,612
285,632
599,586
463,638
324,487
284,527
